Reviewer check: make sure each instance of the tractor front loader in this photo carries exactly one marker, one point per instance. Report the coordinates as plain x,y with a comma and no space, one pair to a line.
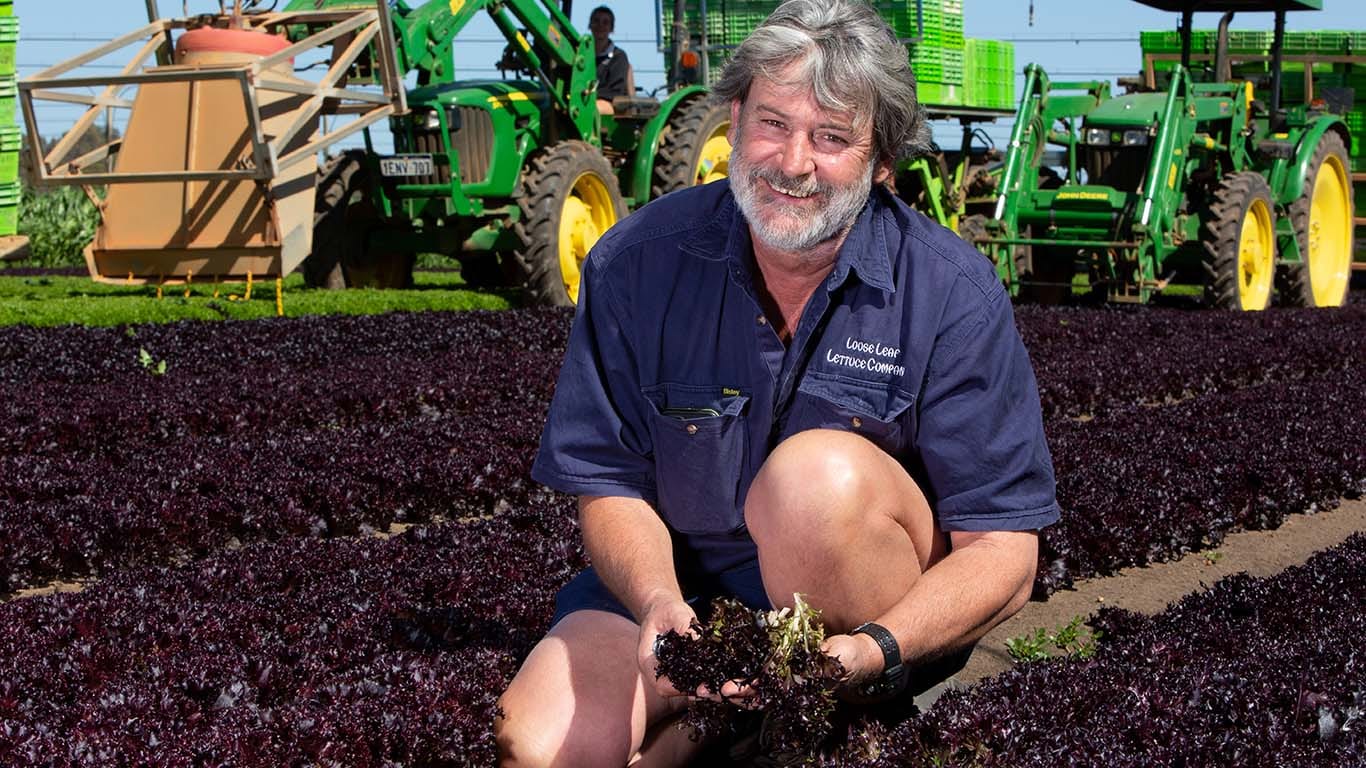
217,176
1200,183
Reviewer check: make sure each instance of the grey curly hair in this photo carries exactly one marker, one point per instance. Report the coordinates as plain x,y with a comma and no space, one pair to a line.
851,60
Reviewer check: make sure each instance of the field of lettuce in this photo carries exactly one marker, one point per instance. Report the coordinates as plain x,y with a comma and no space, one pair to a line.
313,541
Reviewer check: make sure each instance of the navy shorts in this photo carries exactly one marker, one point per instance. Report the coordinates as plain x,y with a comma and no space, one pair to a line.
587,592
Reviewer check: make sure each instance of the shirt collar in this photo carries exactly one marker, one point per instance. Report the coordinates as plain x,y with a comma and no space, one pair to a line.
865,249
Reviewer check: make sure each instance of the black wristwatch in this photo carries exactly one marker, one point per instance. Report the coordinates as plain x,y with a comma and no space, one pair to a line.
893,672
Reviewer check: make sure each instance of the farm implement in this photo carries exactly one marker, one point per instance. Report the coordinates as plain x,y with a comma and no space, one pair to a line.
217,175
1214,179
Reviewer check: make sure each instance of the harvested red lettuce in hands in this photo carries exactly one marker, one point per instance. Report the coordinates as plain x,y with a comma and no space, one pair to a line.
777,655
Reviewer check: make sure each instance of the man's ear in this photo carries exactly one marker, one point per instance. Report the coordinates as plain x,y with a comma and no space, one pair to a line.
734,121
883,170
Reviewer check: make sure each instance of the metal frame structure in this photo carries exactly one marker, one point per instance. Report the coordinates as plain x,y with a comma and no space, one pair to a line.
266,160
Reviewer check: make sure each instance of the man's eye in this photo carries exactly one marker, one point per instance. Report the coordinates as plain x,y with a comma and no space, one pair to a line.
832,139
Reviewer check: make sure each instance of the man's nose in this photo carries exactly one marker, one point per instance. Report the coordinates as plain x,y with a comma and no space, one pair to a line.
798,159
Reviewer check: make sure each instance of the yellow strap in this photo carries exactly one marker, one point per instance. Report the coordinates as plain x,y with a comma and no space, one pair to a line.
279,297
189,275
247,296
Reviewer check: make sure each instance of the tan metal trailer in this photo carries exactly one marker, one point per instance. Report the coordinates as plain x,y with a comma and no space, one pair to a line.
214,177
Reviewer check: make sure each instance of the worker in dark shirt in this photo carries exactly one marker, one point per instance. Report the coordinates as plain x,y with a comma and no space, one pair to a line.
614,69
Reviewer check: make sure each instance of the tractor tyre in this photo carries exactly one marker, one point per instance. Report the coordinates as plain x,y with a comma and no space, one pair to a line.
693,148
569,198
1240,243
1322,218
338,181
343,218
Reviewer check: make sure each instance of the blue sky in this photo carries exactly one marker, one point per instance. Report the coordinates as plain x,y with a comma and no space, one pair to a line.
1069,38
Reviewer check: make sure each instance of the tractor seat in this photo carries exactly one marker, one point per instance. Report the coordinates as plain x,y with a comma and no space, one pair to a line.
631,108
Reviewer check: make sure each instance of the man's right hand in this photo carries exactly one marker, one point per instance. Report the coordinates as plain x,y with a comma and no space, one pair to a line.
660,617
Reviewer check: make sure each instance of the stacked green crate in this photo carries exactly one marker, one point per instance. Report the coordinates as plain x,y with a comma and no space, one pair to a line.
938,57
989,74
10,136
728,22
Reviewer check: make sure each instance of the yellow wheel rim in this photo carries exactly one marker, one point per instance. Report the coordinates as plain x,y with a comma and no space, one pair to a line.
1256,257
714,160
588,213
1330,234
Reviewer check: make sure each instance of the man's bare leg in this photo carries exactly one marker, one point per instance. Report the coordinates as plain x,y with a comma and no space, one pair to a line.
839,521
580,700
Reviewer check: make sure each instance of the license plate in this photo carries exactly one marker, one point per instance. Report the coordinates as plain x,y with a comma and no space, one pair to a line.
407,165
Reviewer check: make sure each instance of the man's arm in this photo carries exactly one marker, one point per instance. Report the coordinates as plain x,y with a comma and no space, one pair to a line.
986,578
632,553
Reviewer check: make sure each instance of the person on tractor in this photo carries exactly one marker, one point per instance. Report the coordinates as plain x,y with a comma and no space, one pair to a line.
786,382
615,77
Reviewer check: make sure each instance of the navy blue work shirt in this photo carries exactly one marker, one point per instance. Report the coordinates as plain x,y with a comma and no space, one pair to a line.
675,387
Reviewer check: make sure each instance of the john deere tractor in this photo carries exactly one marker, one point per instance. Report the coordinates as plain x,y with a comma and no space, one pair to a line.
1203,182
515,177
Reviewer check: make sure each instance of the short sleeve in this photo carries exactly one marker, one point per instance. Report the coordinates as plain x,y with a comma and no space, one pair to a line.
981,438
596,439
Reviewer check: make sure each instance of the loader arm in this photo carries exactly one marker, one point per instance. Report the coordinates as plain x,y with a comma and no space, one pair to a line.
538,30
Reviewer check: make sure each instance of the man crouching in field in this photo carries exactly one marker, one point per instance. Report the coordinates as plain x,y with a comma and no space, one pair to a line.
785,383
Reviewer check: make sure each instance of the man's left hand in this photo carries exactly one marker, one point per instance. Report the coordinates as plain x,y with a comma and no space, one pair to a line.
859,654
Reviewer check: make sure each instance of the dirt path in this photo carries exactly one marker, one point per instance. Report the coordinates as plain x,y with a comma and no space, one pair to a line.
1149,590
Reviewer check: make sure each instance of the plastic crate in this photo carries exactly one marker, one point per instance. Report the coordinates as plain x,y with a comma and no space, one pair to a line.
942,94
9,99
988,74
1169,41
1249,41
9,209
1356,125
943,21
11,140
6,8
9,39
939,65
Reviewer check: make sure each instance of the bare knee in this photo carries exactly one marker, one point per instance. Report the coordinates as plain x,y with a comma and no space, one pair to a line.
522,741
577,699
814,480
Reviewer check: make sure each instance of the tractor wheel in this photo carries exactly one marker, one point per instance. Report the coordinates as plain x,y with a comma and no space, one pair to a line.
1322,218
693,148
343,217
1240,243
338,182
569,198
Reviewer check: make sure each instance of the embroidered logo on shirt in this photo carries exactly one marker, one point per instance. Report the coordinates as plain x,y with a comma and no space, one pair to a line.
728,392
867,356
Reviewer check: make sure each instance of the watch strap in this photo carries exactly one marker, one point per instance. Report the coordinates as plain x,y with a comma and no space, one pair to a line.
891,651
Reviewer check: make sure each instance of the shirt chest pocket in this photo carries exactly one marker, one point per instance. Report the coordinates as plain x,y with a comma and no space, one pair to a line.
699,435
881,414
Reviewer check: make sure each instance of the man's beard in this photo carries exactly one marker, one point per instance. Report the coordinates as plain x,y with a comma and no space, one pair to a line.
792,228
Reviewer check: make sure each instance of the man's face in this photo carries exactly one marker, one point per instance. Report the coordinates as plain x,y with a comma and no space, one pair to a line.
600,24
800,174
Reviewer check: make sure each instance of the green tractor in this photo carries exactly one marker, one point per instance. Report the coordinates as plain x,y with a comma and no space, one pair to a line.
1200,183
516,178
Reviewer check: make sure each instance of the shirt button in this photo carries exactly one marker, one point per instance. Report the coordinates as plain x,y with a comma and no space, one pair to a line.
761,320
856,421
692,429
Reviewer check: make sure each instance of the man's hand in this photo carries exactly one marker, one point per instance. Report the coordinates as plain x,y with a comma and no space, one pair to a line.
861,658
659,618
